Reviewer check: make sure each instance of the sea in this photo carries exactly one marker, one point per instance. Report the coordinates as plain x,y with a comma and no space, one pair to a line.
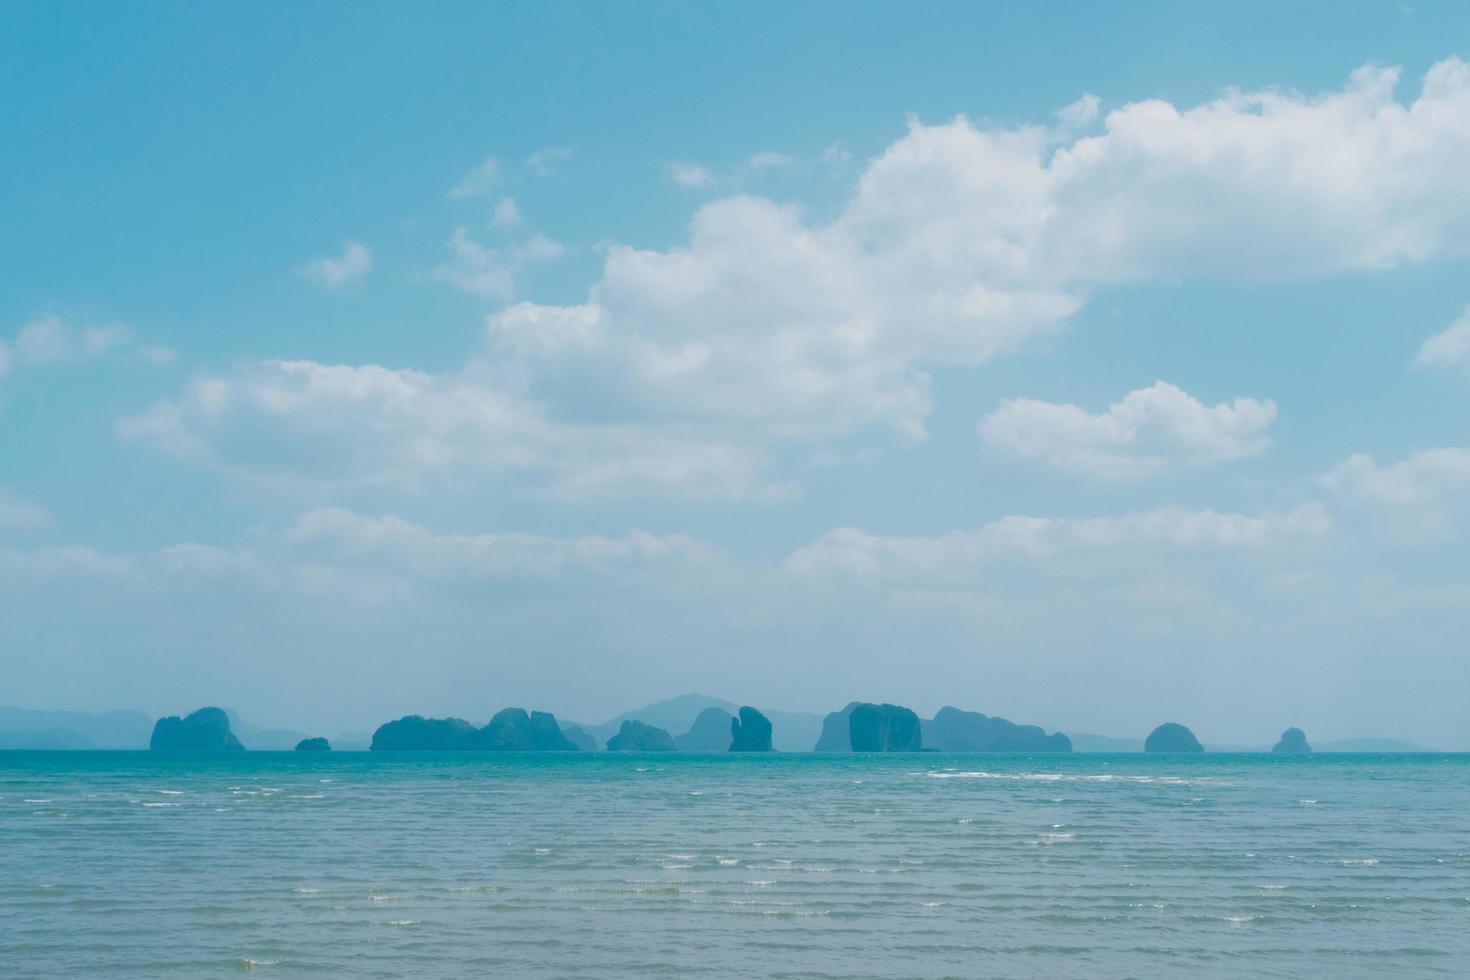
786,865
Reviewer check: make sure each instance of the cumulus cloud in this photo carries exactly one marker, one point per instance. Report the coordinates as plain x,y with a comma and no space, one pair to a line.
1417,498
690,175
506,215
1148,432
962,242
961,553
1249,185
1450,349
765,321
300,425
333,272
494,272
542,163
48,341
477,182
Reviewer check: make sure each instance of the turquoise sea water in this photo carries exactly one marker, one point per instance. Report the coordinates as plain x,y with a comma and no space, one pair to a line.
926,865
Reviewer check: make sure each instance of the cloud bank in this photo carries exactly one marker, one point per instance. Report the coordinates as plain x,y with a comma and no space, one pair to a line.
1148,432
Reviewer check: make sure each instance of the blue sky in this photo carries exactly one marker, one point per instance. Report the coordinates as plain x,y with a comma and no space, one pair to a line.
1087,366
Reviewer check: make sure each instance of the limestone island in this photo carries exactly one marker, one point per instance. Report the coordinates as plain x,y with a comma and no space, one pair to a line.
1293,742
635,736
1172,737
511,730
866,727
313,745
884,728
836,736
751,732
206,730
953,730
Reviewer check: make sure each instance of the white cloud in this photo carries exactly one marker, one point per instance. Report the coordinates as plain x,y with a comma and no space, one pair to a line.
1079,115
493,272
1148,432
699,177
770,160
387,560
528,328
1250,185
335,272
20,515
1417,499
304,426
543,162
963,553
1450,349
690,175
836,155
764,322
964,242
961,242
48,341
354,539
506,215
203,562
381,559
477,182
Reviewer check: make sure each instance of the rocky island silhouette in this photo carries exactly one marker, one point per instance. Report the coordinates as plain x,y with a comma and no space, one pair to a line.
708,727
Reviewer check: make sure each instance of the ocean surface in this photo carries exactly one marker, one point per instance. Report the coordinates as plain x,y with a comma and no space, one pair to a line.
924,865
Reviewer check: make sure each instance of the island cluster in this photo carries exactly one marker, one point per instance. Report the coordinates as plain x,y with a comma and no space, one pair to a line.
861,726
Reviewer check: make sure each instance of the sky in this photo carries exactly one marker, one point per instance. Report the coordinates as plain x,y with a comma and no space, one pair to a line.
1093,366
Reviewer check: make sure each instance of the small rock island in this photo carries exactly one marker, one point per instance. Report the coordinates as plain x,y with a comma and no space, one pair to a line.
635,736
709,733
313,745
1293,742
1172,737
205,730
751,732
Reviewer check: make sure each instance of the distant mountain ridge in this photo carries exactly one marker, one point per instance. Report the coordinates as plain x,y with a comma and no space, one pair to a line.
256,737
25,728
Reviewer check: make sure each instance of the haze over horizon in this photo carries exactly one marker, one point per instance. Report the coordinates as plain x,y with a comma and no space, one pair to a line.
1093,372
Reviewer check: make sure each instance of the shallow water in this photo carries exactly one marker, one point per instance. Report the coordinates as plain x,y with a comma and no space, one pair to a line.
928,865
